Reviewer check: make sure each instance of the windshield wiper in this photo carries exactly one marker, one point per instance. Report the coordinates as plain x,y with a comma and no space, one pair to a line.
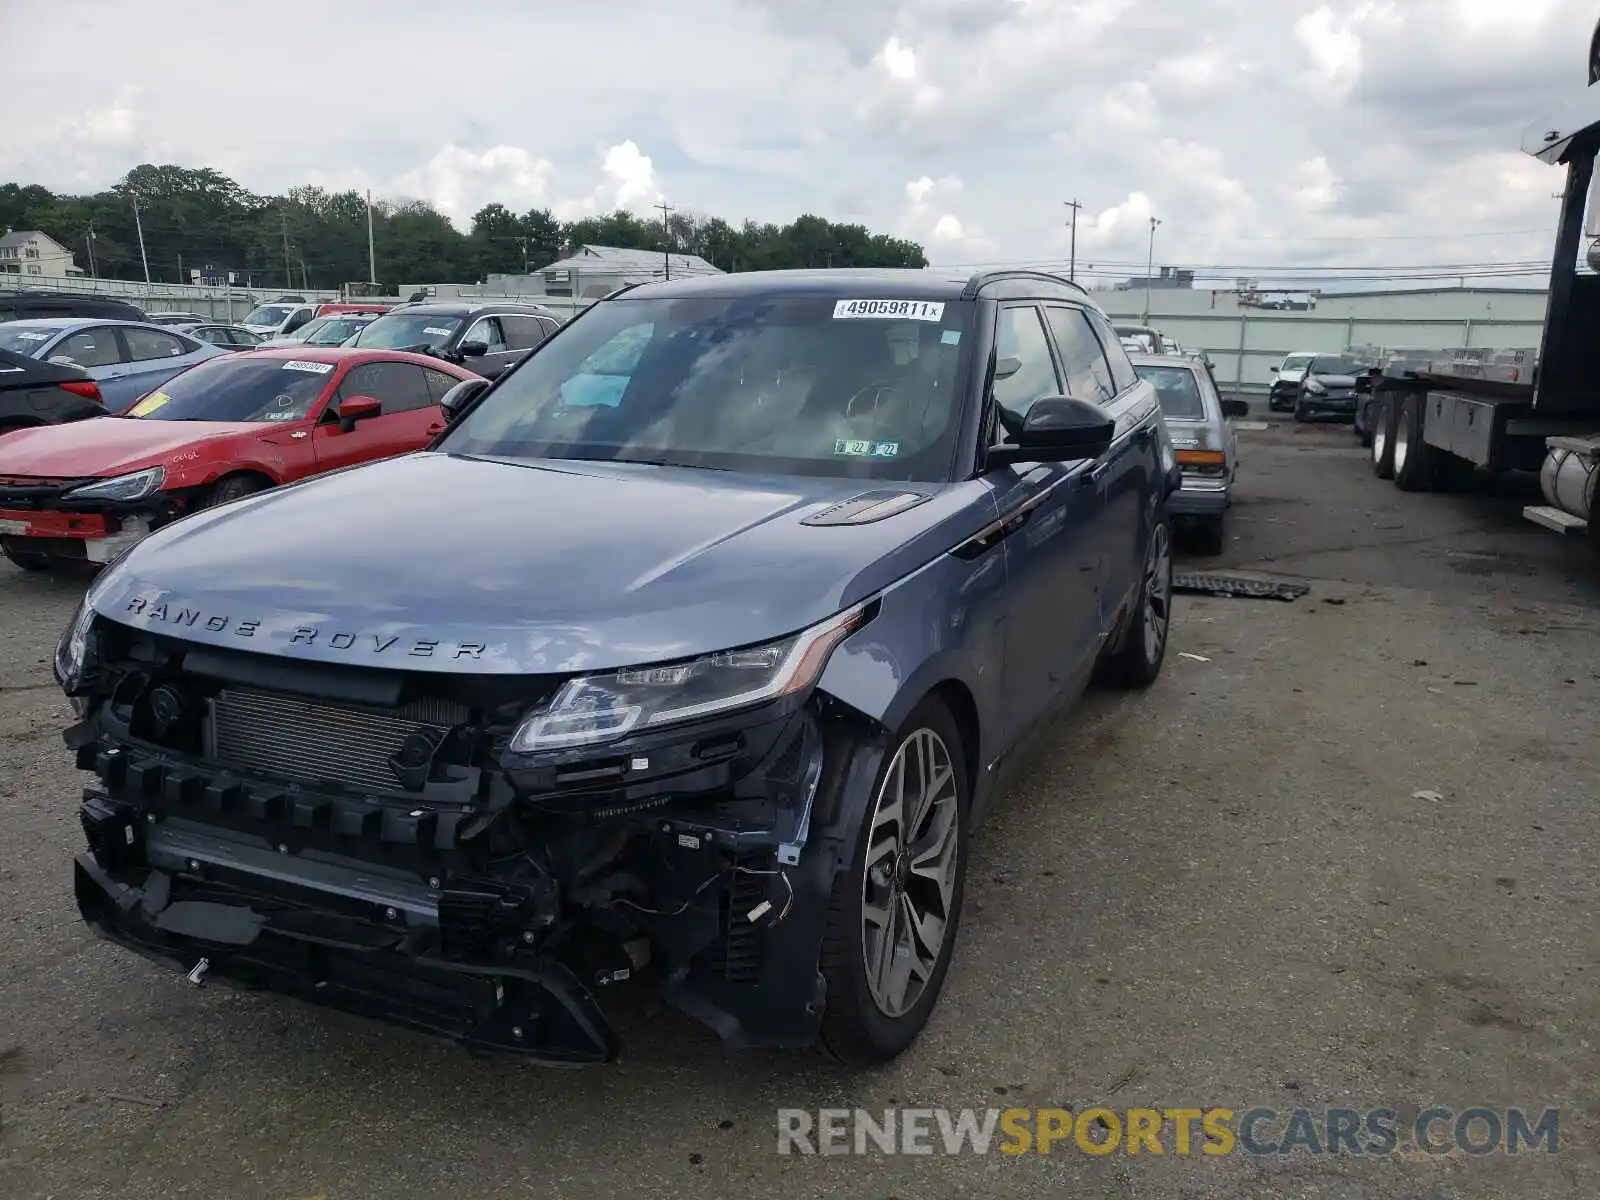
640,462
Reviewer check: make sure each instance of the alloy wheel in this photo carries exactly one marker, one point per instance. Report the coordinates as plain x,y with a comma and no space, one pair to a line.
1402,443
1380,437
909,883
1157,592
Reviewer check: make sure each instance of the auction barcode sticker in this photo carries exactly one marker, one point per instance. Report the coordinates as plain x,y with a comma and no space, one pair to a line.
314,368
905,310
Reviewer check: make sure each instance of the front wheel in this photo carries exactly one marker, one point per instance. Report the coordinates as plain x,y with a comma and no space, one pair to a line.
894,912
29,560
231,488
1143,646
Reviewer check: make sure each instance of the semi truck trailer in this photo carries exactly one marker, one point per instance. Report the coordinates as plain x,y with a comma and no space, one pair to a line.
1435,416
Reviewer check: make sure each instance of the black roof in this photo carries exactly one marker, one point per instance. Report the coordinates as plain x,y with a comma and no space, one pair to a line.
891,283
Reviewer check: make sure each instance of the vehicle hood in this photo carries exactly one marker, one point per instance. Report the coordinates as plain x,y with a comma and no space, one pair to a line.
1292,375
106,445
1336,383
436,562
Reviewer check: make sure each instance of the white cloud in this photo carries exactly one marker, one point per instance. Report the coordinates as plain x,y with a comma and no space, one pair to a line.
1258,130
899,60
458,182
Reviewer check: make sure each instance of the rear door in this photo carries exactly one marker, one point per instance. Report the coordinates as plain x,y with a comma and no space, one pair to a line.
408,421
152,356
1131,474
1052,563
98,351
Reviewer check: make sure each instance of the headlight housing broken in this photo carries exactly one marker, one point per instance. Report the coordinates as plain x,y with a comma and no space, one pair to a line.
594,709
134,486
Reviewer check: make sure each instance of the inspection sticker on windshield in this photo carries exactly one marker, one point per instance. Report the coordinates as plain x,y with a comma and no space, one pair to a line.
866,449
314,368
28,335
436,331
149,404
891,310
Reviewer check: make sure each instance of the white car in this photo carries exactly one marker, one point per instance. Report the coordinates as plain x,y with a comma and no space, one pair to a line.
278,318
1286,377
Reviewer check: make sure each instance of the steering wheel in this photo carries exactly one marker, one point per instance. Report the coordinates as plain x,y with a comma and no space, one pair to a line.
876,387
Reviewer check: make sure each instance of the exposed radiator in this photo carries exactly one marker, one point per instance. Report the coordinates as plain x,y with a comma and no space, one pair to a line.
315,742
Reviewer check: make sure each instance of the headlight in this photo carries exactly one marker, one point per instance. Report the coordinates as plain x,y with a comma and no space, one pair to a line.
601,708
124,487
1314,386
73,648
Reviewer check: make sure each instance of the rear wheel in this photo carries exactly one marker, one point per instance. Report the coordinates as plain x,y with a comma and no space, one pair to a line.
1137,660
1383,437
1208,536
894,912
1414,459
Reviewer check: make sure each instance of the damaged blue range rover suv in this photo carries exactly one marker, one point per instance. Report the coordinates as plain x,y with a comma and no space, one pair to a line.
687,658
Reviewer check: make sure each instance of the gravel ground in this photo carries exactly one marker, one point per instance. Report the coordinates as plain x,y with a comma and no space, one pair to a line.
1224,892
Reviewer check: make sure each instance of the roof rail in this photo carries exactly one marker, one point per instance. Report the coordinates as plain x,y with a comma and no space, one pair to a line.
982,278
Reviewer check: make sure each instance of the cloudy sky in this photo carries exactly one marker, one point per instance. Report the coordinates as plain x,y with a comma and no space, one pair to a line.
1366,134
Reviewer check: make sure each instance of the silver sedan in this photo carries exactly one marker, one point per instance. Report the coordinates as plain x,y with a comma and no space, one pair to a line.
1205,441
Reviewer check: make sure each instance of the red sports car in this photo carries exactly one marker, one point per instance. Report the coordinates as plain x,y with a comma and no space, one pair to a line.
220,430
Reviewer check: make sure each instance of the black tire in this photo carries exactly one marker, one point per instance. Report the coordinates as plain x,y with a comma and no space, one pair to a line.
1382,443
29,560
1209,535
1136,660
1302,414
1414,459
233,487
856,1028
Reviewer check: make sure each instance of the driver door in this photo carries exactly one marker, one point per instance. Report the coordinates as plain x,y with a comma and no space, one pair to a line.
409,419
1051,541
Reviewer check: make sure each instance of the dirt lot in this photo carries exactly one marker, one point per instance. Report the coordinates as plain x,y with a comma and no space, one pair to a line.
1226,892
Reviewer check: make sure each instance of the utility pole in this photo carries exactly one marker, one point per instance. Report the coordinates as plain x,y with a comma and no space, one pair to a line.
372,255
666,233
523,242
139,225
288,267
89,242
1072,262
1149,268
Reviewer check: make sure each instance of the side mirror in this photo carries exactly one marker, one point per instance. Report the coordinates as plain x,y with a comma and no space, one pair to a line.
1274,370
1058,429
472,349
1234,407
357,408
459,398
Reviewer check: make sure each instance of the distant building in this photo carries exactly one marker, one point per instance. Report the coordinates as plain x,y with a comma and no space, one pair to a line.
598,270
33,252
1168,278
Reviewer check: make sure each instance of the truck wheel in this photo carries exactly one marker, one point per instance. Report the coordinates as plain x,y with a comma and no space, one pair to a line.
1383,437
1414,459
1365,412
894,912
29,560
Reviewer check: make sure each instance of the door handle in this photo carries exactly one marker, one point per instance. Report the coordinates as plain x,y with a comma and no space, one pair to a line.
439,428
1097,472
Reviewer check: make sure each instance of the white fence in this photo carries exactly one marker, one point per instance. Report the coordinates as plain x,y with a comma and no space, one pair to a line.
217,303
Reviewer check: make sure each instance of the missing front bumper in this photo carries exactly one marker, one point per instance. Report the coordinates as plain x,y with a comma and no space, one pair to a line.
534,1009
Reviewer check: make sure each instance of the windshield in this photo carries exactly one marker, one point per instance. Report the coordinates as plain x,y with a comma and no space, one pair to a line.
404,331
20,337
303,334
1178,390
334,330
234,389
1336,366
1296,362
796,385
268,314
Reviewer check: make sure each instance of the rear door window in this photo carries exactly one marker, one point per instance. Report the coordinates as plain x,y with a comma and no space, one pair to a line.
145,344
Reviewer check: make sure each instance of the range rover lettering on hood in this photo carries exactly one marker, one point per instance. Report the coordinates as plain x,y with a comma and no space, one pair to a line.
154,614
